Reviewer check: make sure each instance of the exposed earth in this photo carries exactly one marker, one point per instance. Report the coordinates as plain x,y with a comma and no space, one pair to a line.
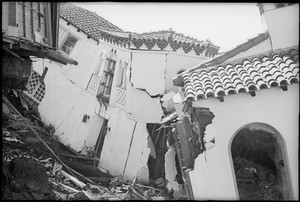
36,166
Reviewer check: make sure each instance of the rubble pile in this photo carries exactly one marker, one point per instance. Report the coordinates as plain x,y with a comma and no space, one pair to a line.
36,166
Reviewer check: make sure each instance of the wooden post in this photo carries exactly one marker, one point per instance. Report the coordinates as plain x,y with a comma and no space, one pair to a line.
24,19
185,175
39,17
32,22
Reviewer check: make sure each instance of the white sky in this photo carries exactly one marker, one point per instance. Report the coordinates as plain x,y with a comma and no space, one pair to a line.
225,24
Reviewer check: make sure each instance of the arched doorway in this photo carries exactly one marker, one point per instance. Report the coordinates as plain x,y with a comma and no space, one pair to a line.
260,167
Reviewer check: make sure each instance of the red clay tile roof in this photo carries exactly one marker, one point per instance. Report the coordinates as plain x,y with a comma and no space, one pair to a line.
224,56
266,71
86,21
98,28
162,39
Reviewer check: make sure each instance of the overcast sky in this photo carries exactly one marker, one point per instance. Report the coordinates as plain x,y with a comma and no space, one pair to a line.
225,24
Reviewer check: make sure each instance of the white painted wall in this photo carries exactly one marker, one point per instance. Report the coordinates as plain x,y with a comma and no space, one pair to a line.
64,106
125,150
83,52
148,72
262,47
142,106
283,26
170,170
214,178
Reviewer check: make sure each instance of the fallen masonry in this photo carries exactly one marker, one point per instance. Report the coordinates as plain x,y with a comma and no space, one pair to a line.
38,167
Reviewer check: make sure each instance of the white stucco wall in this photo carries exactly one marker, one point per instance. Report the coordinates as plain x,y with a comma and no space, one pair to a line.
83,52
125,149
283,26
262,47
148,72
142,106
64,106
214,178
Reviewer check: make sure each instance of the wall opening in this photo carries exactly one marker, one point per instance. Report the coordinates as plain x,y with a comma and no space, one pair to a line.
100,140
156,163
259,163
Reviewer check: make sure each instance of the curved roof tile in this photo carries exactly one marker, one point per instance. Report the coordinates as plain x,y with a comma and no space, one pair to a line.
246,76
98,28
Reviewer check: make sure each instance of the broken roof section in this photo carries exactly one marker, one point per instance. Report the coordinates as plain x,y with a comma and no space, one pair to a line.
97,28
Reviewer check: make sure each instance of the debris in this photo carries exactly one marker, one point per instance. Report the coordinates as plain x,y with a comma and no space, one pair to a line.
56,168
40,147
117,181
73,179
13,139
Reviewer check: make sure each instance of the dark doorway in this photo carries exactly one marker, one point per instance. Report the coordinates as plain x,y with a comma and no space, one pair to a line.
159,136
259,163
100,140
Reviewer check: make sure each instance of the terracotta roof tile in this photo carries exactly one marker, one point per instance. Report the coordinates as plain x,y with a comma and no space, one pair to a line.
276,69
98,28
87,21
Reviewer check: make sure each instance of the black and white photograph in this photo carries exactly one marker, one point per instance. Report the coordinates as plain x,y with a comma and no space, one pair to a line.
150,101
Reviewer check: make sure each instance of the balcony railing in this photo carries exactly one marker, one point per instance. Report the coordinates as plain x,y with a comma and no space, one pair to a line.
93,84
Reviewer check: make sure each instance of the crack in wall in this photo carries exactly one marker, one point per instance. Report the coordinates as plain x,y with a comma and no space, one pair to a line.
129,148
152,96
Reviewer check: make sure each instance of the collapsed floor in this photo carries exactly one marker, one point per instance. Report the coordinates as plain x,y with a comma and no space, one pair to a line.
37,166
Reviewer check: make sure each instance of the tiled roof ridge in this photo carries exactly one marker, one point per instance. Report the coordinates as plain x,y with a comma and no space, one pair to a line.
177,80
276,69
233,52
98,16
128,39
269,54
172,32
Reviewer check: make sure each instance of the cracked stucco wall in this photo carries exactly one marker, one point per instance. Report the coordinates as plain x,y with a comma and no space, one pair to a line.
213,175
64,106
125,149
146,79
148,71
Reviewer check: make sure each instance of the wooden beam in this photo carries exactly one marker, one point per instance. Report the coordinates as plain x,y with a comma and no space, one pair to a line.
284,88
221,99
252,93
44,74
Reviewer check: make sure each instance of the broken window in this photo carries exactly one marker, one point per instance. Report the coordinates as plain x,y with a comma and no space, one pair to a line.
107,77
36,87
69,44
259,164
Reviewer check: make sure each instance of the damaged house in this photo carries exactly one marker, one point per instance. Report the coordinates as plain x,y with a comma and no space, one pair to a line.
114,100
29,31
237,118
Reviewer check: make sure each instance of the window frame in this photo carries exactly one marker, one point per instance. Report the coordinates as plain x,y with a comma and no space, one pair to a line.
65,40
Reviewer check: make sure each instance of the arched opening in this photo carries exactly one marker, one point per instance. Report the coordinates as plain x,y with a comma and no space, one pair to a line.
260,167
